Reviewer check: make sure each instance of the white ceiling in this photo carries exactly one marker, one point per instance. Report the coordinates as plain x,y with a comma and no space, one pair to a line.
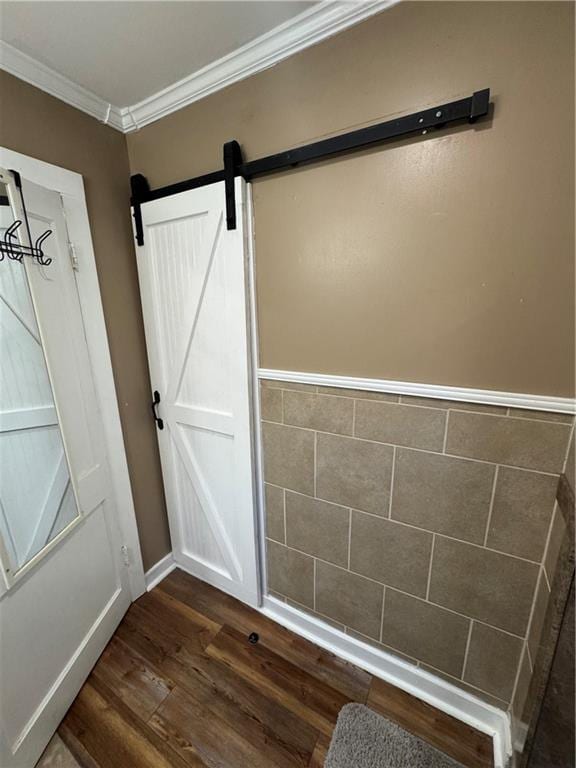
124,52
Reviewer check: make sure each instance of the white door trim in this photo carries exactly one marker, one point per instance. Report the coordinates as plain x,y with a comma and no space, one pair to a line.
70,185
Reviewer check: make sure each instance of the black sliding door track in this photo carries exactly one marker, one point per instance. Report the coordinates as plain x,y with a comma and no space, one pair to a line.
423,122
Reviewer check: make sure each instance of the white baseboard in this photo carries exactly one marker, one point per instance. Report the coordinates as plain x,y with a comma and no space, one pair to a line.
210,575
412,389
159,571
433,690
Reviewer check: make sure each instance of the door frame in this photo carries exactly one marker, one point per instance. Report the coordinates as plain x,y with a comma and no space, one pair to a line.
254,365
70,186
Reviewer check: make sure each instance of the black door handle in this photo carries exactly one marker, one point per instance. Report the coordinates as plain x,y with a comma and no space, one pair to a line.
155,402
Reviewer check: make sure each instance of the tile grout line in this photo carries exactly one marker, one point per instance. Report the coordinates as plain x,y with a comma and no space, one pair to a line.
525,650
351,632
533,606
306,609
415,527
354,418
471,410
315,452
424,450
548,539
430,567
491,507
282,405
392,482
403,592
529,655
447,536
349,536
467,649
284,511
546,579
382,615
445,441
565,462
314,586
458,680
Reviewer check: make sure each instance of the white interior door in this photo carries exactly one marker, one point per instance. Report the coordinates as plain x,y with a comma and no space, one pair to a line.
64,587
194,286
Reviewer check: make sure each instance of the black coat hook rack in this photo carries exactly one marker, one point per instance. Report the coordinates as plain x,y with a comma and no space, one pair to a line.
424,122
9,243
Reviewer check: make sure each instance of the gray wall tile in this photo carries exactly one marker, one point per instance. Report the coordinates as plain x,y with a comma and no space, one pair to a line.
288,457
425,632
271,404
457,405
487,697
519,442
492,661
272,384
317,528
485,585
274,501
381,646
316,615
327,414
349,599
571,464
523,413
290,573
442,494
400,424
354,473
521,693
523,506
392,553
558,536
538,617
361,394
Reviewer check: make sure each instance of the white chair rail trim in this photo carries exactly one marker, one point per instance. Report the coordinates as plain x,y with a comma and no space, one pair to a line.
461,394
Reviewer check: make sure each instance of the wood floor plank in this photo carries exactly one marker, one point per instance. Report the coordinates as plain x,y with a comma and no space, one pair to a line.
320,752
186,725
180,686
113,736
462,742
223,609
132,678
282,681
183,617
76,747
282,735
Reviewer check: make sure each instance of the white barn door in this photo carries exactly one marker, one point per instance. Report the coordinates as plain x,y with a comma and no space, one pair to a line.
194,285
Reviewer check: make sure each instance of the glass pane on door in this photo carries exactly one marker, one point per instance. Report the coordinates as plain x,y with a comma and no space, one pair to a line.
37,500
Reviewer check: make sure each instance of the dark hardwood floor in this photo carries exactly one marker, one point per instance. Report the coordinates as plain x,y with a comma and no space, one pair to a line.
179,685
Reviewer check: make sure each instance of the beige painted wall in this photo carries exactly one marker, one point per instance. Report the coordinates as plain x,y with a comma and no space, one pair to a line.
447,260
38,125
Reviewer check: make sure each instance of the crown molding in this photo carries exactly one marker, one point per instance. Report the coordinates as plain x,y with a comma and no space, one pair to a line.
296,34
46,79
308,28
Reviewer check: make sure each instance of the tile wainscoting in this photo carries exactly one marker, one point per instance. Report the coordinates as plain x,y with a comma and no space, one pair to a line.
427,528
